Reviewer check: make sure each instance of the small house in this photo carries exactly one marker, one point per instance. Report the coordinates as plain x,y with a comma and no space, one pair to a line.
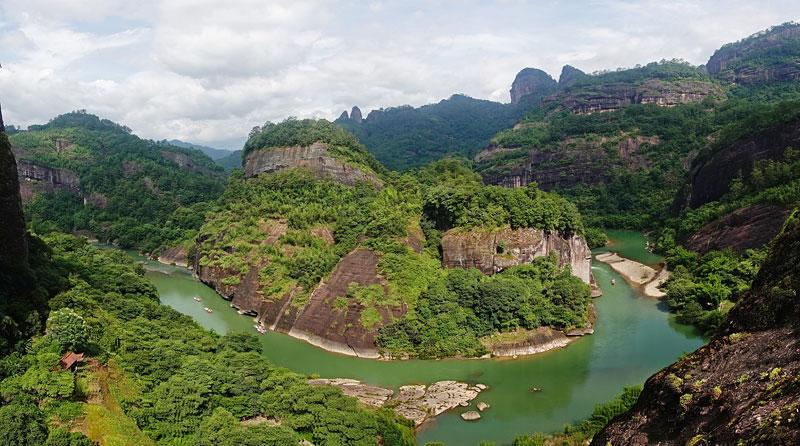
70,361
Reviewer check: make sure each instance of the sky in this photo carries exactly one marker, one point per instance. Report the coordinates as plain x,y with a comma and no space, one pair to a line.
208,71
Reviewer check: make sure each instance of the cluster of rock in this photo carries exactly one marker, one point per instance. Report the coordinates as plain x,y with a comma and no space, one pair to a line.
417,403
314,158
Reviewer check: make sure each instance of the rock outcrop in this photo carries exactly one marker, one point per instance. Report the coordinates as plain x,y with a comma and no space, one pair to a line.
569,76
607,97
355,114
749,227
491,251
529,82
711,176
319,321
13,243
315,158
417,403
768,56
36,178
184,161
176,255
575,161
741,388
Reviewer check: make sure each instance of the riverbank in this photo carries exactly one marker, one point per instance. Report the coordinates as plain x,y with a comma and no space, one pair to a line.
645,278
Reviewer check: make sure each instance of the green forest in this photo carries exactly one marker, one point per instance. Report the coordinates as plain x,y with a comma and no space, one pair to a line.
136,196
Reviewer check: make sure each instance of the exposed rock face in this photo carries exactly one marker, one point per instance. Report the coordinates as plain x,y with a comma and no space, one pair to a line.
35,178
13,244
320,321
769,56
741,388
745,228
343,116
575,161
494,250
710,178
569,75
175,256
417,403
613,96
535,341
184,161
355,114
314,158
531,81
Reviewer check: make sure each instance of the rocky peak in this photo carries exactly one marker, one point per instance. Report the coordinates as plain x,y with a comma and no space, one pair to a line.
770,55
531,81
569,75
355,114
343,116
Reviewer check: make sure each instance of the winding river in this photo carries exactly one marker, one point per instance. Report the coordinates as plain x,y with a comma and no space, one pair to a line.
634,337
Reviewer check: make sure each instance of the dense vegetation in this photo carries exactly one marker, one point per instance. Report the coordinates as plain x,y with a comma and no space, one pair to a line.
135,195
312,223
155,376
455,312
407,137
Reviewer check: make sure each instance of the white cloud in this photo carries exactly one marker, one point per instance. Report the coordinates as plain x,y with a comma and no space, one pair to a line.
208,71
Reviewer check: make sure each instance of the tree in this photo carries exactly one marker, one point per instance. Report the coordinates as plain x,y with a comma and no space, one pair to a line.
68,328
22,423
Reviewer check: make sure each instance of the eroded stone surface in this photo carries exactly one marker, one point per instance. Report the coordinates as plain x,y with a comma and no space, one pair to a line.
417,403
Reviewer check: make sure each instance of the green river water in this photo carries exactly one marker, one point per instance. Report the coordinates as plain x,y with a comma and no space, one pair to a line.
634,337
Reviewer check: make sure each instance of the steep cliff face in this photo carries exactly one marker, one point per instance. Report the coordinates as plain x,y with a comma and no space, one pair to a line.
492,251
769,56
355,114
531,81
741,388
35,178
606,97
749,227
328,319
710,178
315,158
13,245
575,161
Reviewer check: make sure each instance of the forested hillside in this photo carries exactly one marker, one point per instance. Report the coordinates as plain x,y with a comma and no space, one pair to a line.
303,242
82,173
405,137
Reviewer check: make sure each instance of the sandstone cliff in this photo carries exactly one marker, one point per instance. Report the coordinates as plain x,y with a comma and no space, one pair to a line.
574,161
569,76
768,56
13,244
741,388
531,81
36,178
711,176
315,158
492,251
749,227
606,97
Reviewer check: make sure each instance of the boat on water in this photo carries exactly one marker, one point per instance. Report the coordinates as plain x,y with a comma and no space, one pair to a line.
260,328
208,310
197,299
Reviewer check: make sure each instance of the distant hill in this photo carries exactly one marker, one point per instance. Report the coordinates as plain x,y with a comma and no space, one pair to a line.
233,160
406,137
212,153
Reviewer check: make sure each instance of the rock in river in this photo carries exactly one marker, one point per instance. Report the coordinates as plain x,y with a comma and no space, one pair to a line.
471,416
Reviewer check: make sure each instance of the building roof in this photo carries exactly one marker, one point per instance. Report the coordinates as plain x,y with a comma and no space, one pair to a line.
70,359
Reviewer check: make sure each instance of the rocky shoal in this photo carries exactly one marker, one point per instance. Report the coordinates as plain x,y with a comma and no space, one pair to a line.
418,403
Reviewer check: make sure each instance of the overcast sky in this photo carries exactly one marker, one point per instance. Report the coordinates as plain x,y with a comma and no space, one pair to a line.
208,71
